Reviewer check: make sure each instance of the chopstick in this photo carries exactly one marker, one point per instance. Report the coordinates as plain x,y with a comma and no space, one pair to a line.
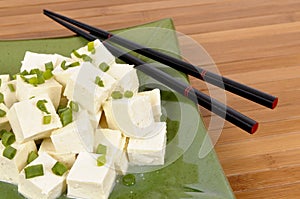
229,114
242,90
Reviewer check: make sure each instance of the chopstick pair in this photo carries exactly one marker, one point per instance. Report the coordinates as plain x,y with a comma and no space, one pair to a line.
202,99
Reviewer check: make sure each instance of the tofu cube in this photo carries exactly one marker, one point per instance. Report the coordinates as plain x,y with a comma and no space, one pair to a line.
51,87
4,78
9,95
48,186
155,101
89,181
75,137
150,151
10,169
62,76
4,124
26,119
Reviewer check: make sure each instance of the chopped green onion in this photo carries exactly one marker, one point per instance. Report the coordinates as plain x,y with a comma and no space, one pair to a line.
49,66
101,160
86,58
32,156
74,106
24,72
8,138
99,81
59,169
1,98
40,79
41,105
91,47
62,109
104,66
2,113
63,65
47,119
11,87
9,152
66,116
47,74
32,97
101,149
33,81
2,132
73,64
34,171
35,71
128,94
116,95
128,180
76,54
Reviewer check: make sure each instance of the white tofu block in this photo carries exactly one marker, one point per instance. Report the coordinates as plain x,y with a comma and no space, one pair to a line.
101,54
89,181
48,186
149,151
62,76
4,124
67,159
77,136
4,78
126,77
9,96
115,147
10,169
51,87
82,88
26,119
155,101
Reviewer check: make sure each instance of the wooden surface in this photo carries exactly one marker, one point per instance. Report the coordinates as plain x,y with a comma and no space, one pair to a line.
252,41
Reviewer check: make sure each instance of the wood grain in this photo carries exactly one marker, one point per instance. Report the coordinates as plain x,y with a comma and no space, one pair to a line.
255,42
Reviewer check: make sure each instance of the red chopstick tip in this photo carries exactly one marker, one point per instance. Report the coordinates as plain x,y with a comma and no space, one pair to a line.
275,102
254,128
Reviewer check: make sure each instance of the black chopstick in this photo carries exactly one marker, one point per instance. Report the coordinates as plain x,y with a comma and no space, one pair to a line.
202,99
212,78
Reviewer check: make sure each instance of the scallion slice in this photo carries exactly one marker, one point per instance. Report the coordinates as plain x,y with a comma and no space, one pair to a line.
74,106
47,119
32,156
91,47
8,138
34,171
74,64
101,149
47,74
86,58
128,94
9,152
49,66
41,105
2,113
104,66
2,132
66,116
65,67
11,87
116,95
99,81
33,81
101,160
59,169
76,54
1,98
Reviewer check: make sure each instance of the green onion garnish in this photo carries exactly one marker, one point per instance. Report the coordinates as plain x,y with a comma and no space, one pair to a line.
2,132
99,81
2,113
73,64
86,58
91,47
33,81
24,72
116,95
11,87
128,94
47,74
66,116
1,98
59,169
49,66
34,171
101,160
32,156
101,149
76,54
65,67
62,109
8,138
9,152
104,66
41,105
74,106
40,79
128,180
47,119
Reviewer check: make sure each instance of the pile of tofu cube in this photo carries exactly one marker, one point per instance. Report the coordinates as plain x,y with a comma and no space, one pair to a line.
128,126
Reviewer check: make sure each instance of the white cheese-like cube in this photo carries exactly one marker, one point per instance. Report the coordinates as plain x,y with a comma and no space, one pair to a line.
154,96
67,159
126,77
26,119
4,124
4,78
48,186
51,87
89,181
62,76
10,169
77,136
9,95
115,143
82,88
149,151
101,54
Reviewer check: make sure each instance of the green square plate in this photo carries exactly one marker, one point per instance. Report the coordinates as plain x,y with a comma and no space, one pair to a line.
186,175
